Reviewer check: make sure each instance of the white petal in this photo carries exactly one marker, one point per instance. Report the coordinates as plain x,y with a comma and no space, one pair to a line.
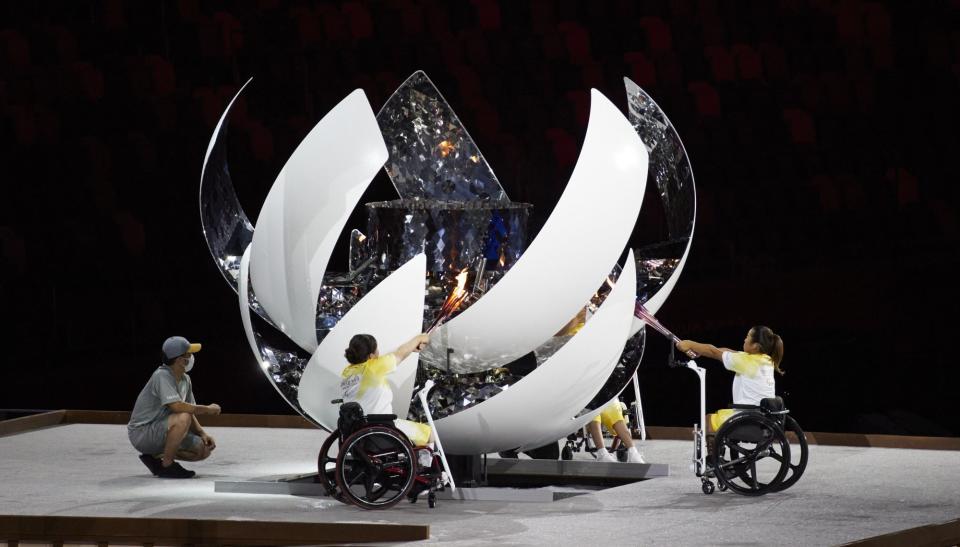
306,210
392,312
568,260
542,406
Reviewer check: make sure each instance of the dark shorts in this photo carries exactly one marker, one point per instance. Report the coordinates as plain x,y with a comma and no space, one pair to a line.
151,438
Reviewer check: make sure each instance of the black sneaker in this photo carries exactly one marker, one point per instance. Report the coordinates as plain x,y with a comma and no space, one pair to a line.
152,463
174,471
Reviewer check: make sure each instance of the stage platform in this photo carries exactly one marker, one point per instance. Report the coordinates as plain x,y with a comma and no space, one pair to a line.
847,493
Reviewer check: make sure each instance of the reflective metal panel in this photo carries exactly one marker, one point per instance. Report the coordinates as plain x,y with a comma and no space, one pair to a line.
672,173
431,154
281,361
455,235
225,226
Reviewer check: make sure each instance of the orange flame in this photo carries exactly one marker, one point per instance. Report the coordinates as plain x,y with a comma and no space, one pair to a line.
453,302
445,148
458,295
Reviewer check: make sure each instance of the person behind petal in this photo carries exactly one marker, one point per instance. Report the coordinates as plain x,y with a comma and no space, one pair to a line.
364,381
163,425
754,368
612,418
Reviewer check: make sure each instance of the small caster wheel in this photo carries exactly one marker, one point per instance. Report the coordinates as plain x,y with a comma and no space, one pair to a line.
566,453
707,487
432,500
721,486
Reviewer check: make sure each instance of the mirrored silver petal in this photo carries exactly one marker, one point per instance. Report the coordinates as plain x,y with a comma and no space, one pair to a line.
226,227
431,154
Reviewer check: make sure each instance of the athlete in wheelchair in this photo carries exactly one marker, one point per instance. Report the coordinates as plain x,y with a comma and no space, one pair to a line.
379,459
747,446
619,424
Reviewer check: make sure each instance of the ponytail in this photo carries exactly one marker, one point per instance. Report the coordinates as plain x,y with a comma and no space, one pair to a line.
360,348
771,344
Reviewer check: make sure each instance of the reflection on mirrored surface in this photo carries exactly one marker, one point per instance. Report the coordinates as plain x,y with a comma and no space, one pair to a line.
281,360
477,241
670,170
431,154
226,227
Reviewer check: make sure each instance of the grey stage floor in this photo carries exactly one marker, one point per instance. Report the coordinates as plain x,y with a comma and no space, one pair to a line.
846,494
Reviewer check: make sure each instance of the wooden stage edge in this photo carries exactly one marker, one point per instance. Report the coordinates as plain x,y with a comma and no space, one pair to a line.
116,417
162,531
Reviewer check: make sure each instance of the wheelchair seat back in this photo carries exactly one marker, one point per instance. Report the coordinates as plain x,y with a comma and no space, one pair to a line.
773,405
351,419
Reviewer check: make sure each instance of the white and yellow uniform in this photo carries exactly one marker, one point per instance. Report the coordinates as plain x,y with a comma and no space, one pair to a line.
611,414
366,383
754,381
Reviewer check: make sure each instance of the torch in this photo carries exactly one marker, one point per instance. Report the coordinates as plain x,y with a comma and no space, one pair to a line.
452,302
649,319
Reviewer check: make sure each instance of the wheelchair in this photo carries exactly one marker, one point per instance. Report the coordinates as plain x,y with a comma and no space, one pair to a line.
753,454
370,463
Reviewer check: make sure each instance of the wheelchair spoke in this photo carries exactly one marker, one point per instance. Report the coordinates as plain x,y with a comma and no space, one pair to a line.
357,476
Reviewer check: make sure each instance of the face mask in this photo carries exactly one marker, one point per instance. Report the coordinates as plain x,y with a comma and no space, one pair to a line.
189,364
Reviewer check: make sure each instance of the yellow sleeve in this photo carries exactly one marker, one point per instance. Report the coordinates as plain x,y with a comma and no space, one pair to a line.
383,365
741,363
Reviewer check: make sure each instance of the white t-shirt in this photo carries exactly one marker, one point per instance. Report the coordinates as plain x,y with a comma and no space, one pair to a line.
366,383
754,379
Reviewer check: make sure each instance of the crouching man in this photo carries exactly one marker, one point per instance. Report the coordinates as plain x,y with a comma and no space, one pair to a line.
163,425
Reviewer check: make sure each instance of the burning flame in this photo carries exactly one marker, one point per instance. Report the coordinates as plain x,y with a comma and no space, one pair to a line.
453,301
459,294
445,148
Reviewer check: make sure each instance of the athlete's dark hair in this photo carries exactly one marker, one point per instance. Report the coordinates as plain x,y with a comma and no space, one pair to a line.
361,346
770,343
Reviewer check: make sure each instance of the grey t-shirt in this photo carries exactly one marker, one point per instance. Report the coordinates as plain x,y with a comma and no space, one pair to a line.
161,389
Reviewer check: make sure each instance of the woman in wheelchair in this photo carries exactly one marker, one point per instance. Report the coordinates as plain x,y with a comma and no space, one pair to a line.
754,368
364,381
379,459
748,447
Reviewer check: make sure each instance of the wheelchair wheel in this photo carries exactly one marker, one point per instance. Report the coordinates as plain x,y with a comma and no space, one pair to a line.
752,454
799,452
327,466
376,467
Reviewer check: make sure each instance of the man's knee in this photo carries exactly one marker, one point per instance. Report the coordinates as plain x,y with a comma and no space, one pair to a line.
196,453
179,419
